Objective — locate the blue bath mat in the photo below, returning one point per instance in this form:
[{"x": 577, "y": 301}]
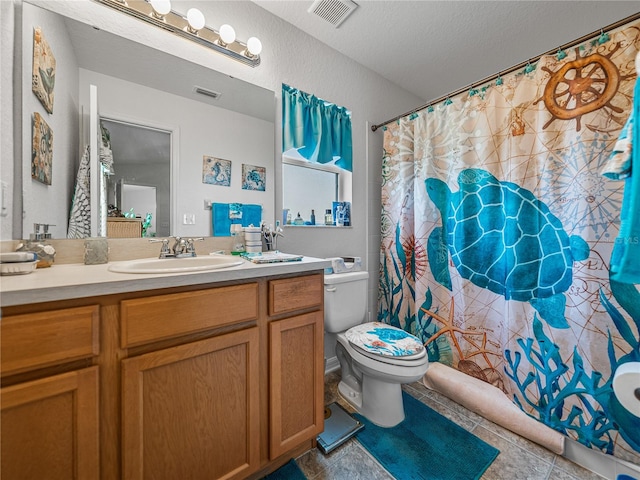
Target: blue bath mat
[
  {"x": 289, "y": 471},
  {"x": 427, "y": 446}
]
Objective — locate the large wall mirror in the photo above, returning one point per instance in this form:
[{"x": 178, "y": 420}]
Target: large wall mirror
[{"x": 141, "y": 92}]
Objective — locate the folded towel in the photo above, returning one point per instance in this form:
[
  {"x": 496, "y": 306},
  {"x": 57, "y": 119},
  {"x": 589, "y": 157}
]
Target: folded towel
[
  {"x": 221, "y": 220},
  {"x": 251, "y": 215},
  {"x": 271, "y": 257},
  {"x": 624, "y": 265},
  {"x": 221, "y": 217}
]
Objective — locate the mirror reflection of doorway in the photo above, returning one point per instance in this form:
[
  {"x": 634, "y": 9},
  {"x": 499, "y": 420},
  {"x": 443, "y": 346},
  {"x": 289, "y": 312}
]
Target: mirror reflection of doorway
[
  {"x": 142, "y": 167},
  {"x": 139, "y": 199}
]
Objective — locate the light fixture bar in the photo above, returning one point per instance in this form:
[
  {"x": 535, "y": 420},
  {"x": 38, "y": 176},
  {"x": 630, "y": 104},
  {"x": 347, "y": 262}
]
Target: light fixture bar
[{"x": 177, "y": 24}]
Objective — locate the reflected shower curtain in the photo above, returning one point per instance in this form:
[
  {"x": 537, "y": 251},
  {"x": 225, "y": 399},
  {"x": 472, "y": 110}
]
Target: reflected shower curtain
[{"x": 497, "y": 232}]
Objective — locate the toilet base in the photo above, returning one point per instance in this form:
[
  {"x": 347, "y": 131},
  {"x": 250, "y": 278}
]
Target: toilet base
[{"x": 383, "y": 403}]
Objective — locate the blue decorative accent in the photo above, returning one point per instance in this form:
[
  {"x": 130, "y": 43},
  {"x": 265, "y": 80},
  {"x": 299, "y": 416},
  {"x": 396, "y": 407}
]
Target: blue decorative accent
[
  {"x": 447, "y": 101},
  {"x": 221, "y": 219},
  {"x": 603, "y": 38},
  {"x": 421, "y": 446},
  {"x": 430, "y": 108},
  {"x": 529, "y": 68},
  {"x": 499, "y": 80},
  {"x": 383, "y": 339},
  {"x": 317, "y": 129},
  {"x": 550, "y": 385},
  {"x": 561, "y": 54},
  {"x": 502, "y": 238}
]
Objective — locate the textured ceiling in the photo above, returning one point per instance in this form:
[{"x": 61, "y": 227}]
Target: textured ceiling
[{"x": 431, "y": 48}]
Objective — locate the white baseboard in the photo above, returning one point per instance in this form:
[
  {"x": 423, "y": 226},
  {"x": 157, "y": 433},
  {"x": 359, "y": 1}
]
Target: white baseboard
[
  {"x": 331, "y": 365},
  {"x": 607, "y": 466}
]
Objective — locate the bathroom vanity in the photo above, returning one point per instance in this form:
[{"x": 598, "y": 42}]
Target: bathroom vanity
[{"x": 199, "y": 375}]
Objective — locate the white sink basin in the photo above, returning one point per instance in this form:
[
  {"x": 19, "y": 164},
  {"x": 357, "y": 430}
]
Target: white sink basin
[{"x": 176, "y": 265}]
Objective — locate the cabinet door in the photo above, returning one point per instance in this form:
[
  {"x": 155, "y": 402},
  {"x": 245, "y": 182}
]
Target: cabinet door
[
  {"x": 191, "y": 411},
  {"x": 50, "y": 428},
  {"x": 296, "y": 368}
]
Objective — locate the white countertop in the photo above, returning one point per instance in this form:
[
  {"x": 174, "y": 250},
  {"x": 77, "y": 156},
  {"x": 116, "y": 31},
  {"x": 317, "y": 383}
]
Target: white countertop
[{"x": 64, "y": 282}]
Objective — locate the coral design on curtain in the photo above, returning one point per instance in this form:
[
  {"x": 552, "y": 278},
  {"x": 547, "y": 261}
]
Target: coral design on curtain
[{"x": 497, "y": 233}]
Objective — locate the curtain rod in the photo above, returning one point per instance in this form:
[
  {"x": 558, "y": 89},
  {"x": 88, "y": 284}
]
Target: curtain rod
[{"x": 488, "y": 79}]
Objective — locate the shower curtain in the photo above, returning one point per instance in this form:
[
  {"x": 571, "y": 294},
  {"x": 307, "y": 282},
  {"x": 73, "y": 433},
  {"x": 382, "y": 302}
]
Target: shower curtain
[{"x": 497, "y": 233}]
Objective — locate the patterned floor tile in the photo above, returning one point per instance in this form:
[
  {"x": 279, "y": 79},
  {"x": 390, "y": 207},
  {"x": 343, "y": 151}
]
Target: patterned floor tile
[
  {"x": 540, "y": 451},
  {"x": 513, "y": 462}
]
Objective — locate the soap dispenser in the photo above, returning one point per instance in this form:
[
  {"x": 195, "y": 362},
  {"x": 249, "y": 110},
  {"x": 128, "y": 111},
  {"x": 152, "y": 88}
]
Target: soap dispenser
[{"x": 39, "y": 243}]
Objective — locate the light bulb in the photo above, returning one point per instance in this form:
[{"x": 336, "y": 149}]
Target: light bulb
[
  {"x": 227, "y": 34},
  {"x": 254, "y": 46},
  {"x": 161, "y": 7},
  {"x": 195, "y": 19}
]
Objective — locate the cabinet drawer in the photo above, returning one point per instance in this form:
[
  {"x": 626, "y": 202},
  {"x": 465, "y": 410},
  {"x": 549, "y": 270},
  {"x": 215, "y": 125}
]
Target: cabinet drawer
[
  {"x": 289, "y": 294},
  {"x": 146, "y": 320},
  {"x": 43, "y": 339}
]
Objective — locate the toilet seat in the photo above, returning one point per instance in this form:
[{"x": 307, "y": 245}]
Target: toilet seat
[{"x": 385, "y": 343}]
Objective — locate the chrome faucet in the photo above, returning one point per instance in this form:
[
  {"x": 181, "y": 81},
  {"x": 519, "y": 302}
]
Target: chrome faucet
[{"x": 181, "y": 247}]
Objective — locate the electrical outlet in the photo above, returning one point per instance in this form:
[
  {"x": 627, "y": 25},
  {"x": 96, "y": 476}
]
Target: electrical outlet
[{"x": 189, "y": 219}]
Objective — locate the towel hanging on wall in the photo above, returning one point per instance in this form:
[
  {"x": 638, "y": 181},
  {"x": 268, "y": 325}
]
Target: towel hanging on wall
[
  {"x": 80, "y": 215},
  {"x": 625, "y": 164}
]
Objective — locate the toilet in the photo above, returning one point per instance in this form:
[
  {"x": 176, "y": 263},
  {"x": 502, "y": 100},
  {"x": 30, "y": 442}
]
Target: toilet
[{"x": 375, "y": 358}]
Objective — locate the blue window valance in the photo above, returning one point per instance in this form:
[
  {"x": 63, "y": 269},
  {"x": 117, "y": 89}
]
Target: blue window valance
[{"x": 320, "y": 131}]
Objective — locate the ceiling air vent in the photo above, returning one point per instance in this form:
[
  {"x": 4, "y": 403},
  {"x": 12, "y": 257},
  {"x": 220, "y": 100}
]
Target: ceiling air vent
[
  {"x": 333, "y": 11},
  {"x": 208, "y": 93}
]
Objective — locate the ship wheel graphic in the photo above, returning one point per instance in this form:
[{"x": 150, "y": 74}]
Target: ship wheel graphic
[{"x": 580, "y": 87}]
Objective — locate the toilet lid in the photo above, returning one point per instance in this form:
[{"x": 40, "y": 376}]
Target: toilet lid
[{"x": 382, "y": 339}]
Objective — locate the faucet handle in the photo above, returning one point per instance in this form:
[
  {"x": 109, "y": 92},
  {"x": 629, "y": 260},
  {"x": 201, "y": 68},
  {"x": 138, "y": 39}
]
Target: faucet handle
[
  {"x": 191, "y": 247},
  {"x": 164, "y": 249}
]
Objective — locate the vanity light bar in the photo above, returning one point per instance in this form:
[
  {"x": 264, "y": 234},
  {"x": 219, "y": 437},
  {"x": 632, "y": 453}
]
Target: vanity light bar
[{"x": 178, "y": 24}]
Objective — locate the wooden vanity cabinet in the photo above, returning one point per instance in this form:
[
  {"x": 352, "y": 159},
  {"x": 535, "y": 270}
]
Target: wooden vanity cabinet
[
  {"x": 296, "y": 362},
  {"x": 50, "y": 408},
  {"x": 192, "y": 411},
  {"x": 196, "y": 382}
]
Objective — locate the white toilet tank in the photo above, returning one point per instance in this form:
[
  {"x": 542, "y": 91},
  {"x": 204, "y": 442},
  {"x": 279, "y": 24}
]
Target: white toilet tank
[{"x": 345, "y": 300}]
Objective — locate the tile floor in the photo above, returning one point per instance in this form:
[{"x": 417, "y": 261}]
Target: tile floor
[{"x": 519, "y": 459}]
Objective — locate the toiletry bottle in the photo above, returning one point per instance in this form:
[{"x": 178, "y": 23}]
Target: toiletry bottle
[
  {"x": 237, "y": 233},
  {"x": 313, "y": 217},
  {"x": 289, "y": 222},
  {"x": 328, "y": 218},
  {"x": 298, "y": 220},
  {"x": 39, "y": 243},
  {"x": 339, "y": 216}
]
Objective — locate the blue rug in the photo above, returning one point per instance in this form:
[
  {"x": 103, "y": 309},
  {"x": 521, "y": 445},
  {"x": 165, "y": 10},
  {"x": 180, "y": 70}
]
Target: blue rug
[
  {"x": 289, "y": 471},
  {"x": 427, "y": 446}
]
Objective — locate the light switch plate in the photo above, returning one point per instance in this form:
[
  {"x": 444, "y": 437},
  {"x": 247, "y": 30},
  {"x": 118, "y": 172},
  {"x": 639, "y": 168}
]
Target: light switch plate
[{"x": 189, "y": 219}]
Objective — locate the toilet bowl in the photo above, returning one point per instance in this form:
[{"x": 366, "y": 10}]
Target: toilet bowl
[{"x": 375, "y": 358}]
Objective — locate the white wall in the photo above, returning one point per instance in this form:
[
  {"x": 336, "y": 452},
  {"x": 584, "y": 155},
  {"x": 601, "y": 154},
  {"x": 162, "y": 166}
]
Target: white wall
[
  {"x": 289, "y": 56},
  {"x": 199, "y": 129},
  {"x": 7, "y": 180},
  {"x": 38, "y": 197}
]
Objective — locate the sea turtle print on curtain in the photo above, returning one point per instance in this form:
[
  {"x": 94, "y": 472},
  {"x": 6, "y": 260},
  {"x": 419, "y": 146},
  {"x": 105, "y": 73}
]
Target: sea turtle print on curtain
[
  {"x": 497, "y": 232},
  {"x": 502, "y": 238}
]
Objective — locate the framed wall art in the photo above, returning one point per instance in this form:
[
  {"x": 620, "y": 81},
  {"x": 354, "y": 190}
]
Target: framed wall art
[
  {"x": 43, "y": 77},
  {"x": 253, "y": 177},
  {"x": 216, "y": 171},
  {"x": 42, "y": 150}
]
